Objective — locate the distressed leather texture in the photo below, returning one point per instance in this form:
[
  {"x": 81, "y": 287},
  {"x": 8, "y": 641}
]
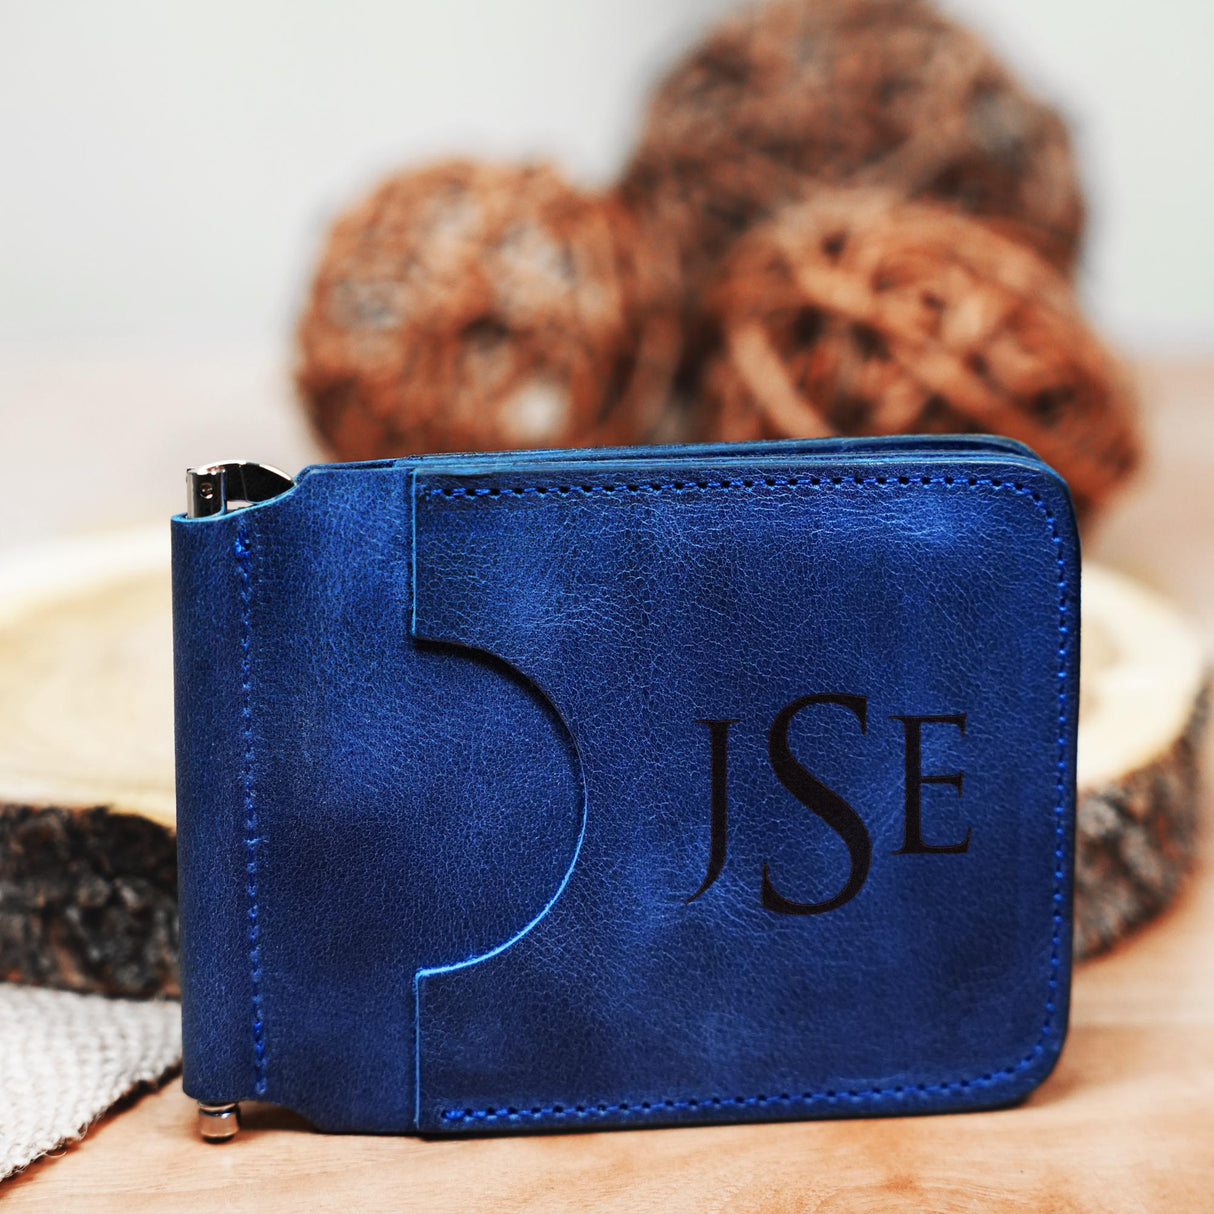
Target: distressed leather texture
[{"x": 446, "y": 786}]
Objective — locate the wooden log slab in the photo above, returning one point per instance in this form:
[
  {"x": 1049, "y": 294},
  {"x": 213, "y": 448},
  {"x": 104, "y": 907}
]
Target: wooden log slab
[
  {"x": 88, "y": 890},
  {"x": 88, "y": 866},
  {"x": 1143, "y": 709}
]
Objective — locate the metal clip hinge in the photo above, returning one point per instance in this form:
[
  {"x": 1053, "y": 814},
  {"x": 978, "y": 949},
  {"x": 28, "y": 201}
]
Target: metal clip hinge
[
  {"x": 218, "y": 1122},
  {"x": 231, "y": 484}
]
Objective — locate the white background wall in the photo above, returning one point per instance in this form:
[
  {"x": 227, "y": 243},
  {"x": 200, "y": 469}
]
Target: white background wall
[{"x": 166, "y": 169}]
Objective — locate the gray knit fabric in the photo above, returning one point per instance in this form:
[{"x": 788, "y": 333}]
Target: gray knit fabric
[{"x": 65, "y": 1059}]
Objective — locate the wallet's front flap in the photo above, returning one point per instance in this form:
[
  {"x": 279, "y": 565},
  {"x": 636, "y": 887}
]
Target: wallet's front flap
[
  {"x": 823, "y": 715},
  {"x": 353, "y": 806}
]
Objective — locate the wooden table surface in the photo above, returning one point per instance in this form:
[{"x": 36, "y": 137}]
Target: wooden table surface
[{"x": 1126, "y": 1123}]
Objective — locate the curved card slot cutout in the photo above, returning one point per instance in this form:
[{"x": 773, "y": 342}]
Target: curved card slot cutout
[{"x": 464, "y": 959}]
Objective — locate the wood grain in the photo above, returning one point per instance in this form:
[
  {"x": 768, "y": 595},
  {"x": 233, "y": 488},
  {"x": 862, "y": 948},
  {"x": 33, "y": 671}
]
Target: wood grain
[
  {"x": 1126, "y": 1123},
  {"x": 86, "y": 686}
]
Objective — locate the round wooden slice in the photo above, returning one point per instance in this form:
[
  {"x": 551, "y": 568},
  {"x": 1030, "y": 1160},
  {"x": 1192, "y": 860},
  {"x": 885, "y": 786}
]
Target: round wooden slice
[
  {"x": 88, "y": 888},
  {"x": 88, "y": 868},
  {"x": 1143, "y": 707}
]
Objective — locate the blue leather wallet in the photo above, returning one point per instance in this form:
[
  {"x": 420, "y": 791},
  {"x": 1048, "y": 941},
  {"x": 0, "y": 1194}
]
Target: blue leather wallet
[{"x": 627, "y": 787}]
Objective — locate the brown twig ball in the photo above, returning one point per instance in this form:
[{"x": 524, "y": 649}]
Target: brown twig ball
[
  {"x": 469, "y": 306},
  {"x": 847, "y": 92},
  {"x": 858, "y": 312}
]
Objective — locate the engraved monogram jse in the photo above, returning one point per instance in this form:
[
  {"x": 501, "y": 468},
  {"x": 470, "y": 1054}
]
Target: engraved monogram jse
[{"x": 841, "y": 817}]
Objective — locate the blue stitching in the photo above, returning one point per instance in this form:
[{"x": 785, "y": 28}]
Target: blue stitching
[
  {"x": 252, "y": 838},
  {"x": 643, "y": 1107}
]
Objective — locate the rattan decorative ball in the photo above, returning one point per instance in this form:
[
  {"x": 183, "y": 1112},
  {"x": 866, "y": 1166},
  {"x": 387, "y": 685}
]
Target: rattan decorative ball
[
  {"x": 847, "y": 92},
  {"x": 469, "y": 306},
  {"x": 858, "y": 312}
]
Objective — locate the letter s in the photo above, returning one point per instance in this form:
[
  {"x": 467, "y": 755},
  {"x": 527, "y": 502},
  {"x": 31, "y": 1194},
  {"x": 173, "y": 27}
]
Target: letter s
[{"x": 826, "y": 803}]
